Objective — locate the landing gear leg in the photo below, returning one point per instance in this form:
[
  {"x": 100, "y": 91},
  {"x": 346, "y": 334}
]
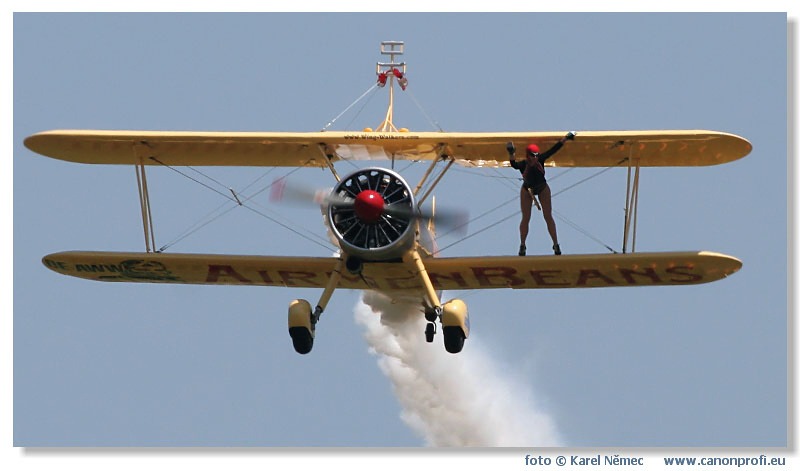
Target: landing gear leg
[
  {"x": 430, "y": 291},
  {"x": 433, "y": 313},
  {"x": 303, "y": 322}
]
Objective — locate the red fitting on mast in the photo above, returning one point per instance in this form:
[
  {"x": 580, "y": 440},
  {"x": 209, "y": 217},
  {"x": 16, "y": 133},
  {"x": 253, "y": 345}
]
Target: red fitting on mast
[{"x": 401, "y": 79}]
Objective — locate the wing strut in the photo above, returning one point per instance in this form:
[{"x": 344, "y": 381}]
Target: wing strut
[
  {"x": 328, "y": 160},
  {"x": 140, "y": 150},
  {"x": 428, "y": 172},
  {"x": 450, "y": 163},
  {"x": 631, "y": 204}
]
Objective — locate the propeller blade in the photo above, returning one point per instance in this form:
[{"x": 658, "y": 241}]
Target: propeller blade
[
  {"x": 449, "y": 219},
  {"x": 453, "y": 220},
  {"x": 282, "y": 191}
]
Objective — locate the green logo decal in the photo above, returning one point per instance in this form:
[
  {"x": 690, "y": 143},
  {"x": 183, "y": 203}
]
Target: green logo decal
[{"x": 142, "y": 270}]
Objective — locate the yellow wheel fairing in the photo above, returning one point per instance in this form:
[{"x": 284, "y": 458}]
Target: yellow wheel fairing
[
  {"x": 300, "y": 315},
  {"x": 454, "y": 314},
  {"x": 301, "y": 330}
]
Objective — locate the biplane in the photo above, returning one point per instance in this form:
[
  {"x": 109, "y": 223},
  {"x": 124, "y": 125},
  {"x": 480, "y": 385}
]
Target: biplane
[{"x": 374, "y": 214}]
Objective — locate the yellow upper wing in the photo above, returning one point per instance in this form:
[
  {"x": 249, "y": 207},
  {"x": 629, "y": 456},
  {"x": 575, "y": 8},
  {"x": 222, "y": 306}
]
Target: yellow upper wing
[
  {"x": 463, "y": 273},
  {"x": 590, "y": 148}
]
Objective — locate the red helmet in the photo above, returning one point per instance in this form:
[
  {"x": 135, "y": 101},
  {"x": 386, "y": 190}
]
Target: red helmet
[{"x": 533, "y": 149}]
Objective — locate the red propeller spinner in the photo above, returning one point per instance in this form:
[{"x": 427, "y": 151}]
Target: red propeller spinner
[{"x": 369, "y": 206}]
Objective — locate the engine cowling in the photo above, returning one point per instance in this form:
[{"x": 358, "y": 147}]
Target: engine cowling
[{"x": 373, "y": 214}]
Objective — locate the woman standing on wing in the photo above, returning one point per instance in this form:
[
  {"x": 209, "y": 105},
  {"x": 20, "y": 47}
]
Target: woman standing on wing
[{"x": 534, "y": 183}]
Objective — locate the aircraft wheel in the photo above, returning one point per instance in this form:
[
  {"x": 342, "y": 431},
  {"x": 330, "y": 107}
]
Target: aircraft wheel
[
  {"x": 302, "y": 340},
  {"x": 430, "y": 331},
  {"x": 453, "y": 338}
]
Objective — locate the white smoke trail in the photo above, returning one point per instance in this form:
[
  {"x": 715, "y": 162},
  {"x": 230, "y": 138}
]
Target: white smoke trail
[{"x": 451, "y": 400}]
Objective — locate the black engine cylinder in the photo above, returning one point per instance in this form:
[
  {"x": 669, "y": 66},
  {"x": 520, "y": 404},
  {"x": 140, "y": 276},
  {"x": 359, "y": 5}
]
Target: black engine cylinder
[{"x": 373, "y": 238}]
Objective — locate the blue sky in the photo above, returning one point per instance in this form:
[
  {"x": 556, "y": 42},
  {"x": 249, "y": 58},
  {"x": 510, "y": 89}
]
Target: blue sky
[{"x": 115, "y": 365}]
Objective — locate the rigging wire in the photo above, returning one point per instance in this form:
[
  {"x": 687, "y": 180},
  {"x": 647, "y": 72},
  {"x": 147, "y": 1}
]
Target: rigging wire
[
  {"x": 590, "y": 177},
  {"x": 212, "y": 216},
  {"x": 193, "y": 179},
  {"x": 582, "y": 231},
  {"x": 431, "y": 121},
  {"x": 204, "y": 175},
  {"x": 410, "y": 163},
  {"x": 506, "y": 182},
  {"x": 478, "y": 232},
  {"x": 485, "y": 213},
  {"x": 199, "y": 225},
  {"x": 324, "y": 246},
  {"x": 358, "y": 113},
  {"x": 371, "y": 88},
  {"x": 263, "y": 176},
  {"x": 561, "y": 174},
  {"x": 369, "y": 96}
]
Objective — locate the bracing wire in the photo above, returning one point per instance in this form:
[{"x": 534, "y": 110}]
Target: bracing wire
[
  {"x": 582, "y": 230},
  {"x": 285, "y": 226},
  {"x": 203, "y": 222},
  {"x": 220, "y": 211},
  {"x": 204, "y": 175},
  {"x": 263, "y": 176},
  {"x": 506, "y": 182},
  {"x": 431, "y": 121},
  {"x": 233, "y": 197},
  {"x": 479, "y": 231},
  {"x": 485, "y": 213},
  {"x": 372, "y": 87},
  {"x": 358, "y": 113},
  {"x": 193, "y": 179},
  {"x": 561, "y": 174},
  {"x": 590, "y": 177}
]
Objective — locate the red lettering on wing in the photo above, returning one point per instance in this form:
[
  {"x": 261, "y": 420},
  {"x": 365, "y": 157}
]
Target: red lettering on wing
[
  {"x": 215, "y": 272},
  {"x": 299, "y": 278},
  {"x": 354, "y": 281},
  {"x": 265, "y": 277},
  {"x": 628, "y": 274},
  {"x": 546, "y": 278},
  {"x": 438, "y": 278},
  {"x": 497, "y": 276},
  {"x": 688, "y": 277},
  {"x": 593, "y": 274},
  {"x": 408, "y": 282}
]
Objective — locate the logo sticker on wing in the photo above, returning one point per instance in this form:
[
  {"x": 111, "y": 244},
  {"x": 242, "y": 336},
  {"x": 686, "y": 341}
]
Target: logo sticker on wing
[{"x": 142, "y": 270}]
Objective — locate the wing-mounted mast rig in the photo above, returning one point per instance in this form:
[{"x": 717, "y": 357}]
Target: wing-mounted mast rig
[{"x": 389, "y": 72}]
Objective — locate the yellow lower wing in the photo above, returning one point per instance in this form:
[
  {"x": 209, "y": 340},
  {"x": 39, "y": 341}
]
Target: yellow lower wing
[
  {"x": 581, "y": 271},
  {"x": 300, "y": 272},
  {"x": 463, "y": 273}
]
